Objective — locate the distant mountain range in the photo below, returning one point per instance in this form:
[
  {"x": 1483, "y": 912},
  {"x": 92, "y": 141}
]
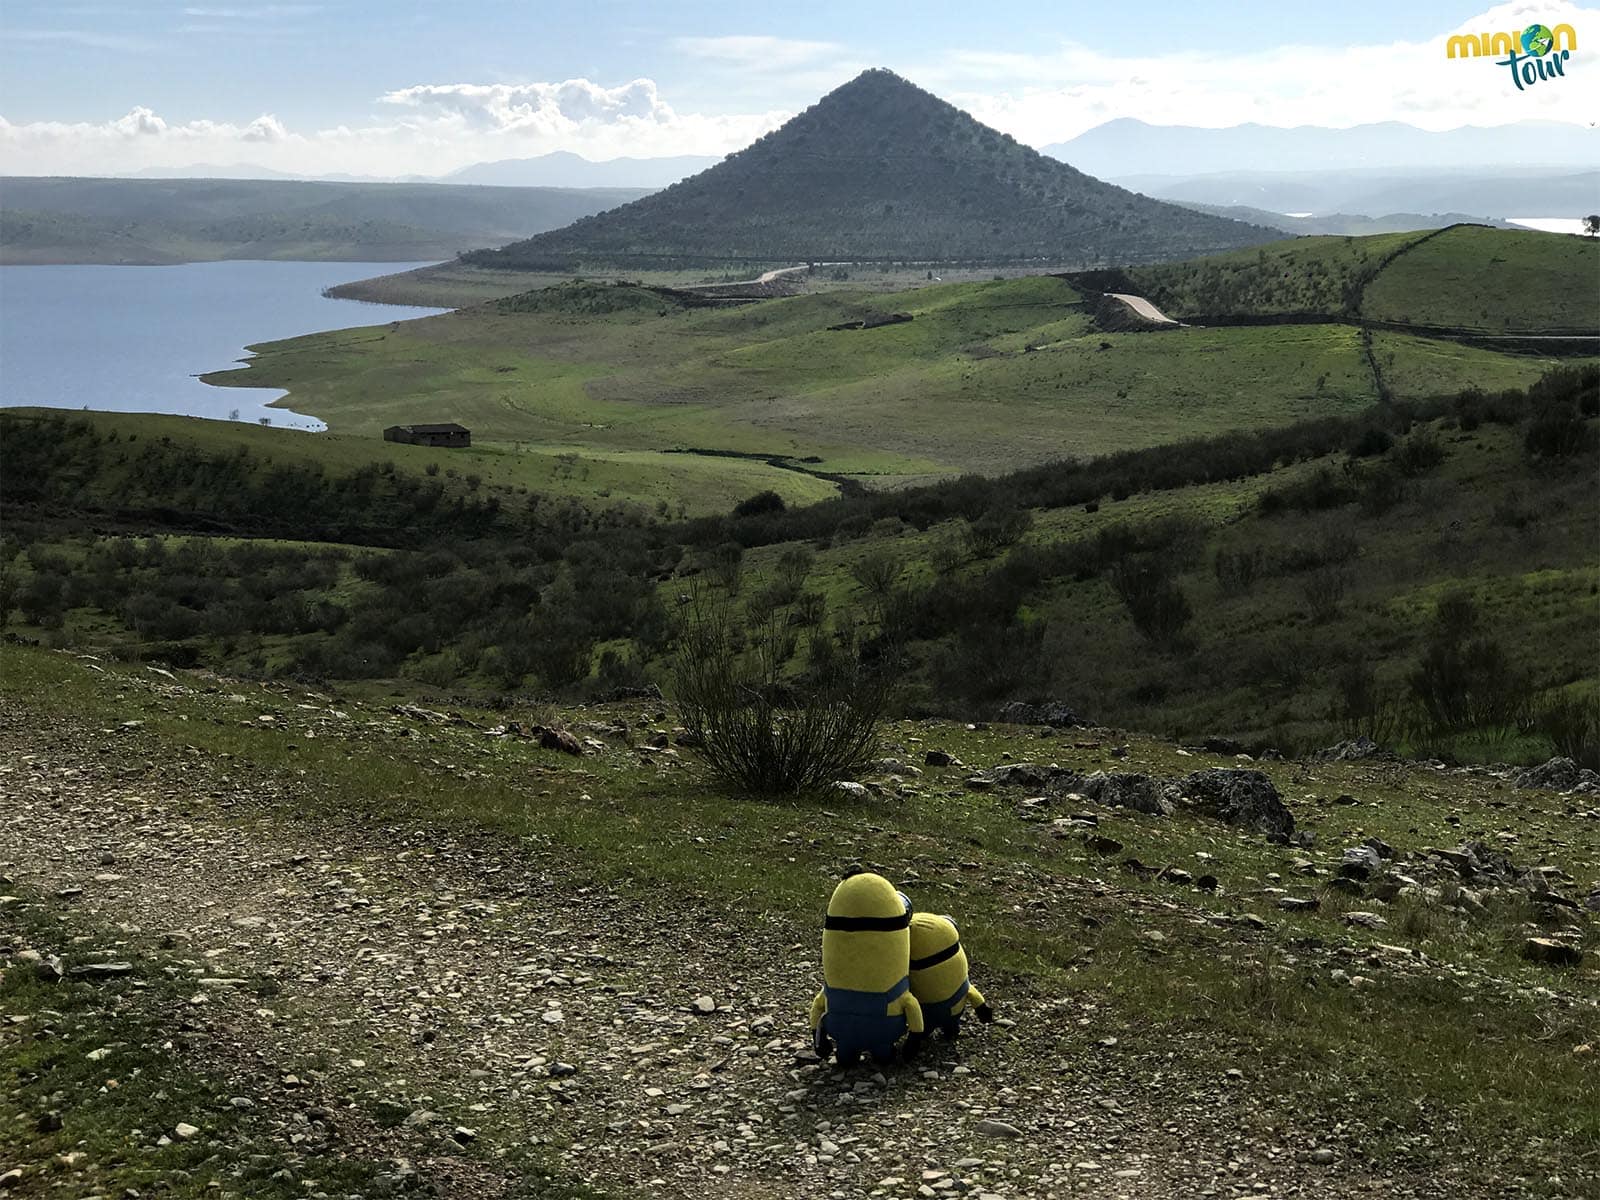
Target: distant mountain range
[
  {"x": 66, "y": 220},
  {"x": 563, "y": 169},
  {"x": 1127, "y": 147},
  {"x": 1504, "y": 193},
  {"x": 881, "y": 170}
]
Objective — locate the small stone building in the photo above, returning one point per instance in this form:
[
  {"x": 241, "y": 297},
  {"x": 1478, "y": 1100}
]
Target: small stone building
[{"x": 449, "y": 435}]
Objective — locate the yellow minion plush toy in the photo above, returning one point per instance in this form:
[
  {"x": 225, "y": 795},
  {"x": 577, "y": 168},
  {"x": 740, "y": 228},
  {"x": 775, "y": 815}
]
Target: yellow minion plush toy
[
  {"x": 866, "y": 1004},
  {"x": 939, "y": 975}
]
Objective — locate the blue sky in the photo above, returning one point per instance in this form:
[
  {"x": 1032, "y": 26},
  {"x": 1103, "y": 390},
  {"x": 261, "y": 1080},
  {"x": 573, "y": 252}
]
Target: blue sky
[{"x": 403, "y": 87}]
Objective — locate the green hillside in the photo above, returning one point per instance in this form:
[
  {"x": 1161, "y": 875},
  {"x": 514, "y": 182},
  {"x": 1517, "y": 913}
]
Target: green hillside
[
  {"x": 54, "y": 220},
  {"x": 1493, "y": 280},
  {"x": 984, "y": 377},
  {"x": 1468, "y": 277},
  {"x": 881, "y": 170}
]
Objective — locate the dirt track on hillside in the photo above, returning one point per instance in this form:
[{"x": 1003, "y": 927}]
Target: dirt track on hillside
[{"x": 493, "y": 986}]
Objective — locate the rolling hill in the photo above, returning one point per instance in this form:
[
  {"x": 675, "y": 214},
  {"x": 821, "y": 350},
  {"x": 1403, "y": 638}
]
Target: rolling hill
[
  {"x": 71, "y": 220},
  {"x": 881, "y": 170},
  {"x": 1466, "y": 277}
]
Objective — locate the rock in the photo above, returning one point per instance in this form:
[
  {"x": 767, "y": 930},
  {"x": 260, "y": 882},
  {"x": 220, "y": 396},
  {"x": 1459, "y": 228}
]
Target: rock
[
  {"x": 1141, "y": 793},
  {"x": 1178, "y": 876},
  {"x": 704, "y": 1005},
  {"x": 992, "y": 1128},
  {"x": 1049, "y": 712},
  {"x": 1299, "y": 903},
  {"x": 1322, "y": 1157},
  {"x": 49, "y": 1123},
  {"x": 1100, "y": 844},
  {"x": 1238, "y": 797},
  {"x": 1352, "y": 751},
  {"x": 184, "y": 1131},
  {"x": 556, "y": 739},
  {"x": 1346, "y": 800},
  {"x": 856, "y": 791},
  {"x": 1028, "y": 775},
  {"x": 1206, "y": 883},
  {"x": 95, "y": 972},
  {"x": 11, "y": 1178},
  {"x": 1558, "y": 774},
  {"x": 48, "y": 970},
  {"x": 1347, "y": 885},
  {"x": 1552, "y": 953},
  {"x": 1367, "y": 920},
  {"x": 1360, "y": 862},
  {"x": 1222, "y": 745},
  {"x": 463, "y": 1135},
  {"x": 940, "y": 758}
]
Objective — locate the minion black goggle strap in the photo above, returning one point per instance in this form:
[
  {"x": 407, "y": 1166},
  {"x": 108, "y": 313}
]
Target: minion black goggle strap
[
  {"x": 937, "y": 957},
  {"x": 867, "y": 924}
]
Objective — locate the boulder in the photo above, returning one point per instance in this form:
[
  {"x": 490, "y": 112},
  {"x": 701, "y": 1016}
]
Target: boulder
[
  {"x": 1354, "y": 750},
  {"x": 1025, "y": 775},
  {"x": 1130, "y": 790},
  {"x": 1047, "y": 712},
  {"x": 1552, "y": 953},
  {"x": 1238, "y": 797},
  {"x": 1558, "y": 774}
]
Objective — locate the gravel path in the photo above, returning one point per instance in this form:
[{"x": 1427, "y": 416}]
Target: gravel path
[
  {"x": 474, "y": 983},
  {"x": 1143, "y": 308}
]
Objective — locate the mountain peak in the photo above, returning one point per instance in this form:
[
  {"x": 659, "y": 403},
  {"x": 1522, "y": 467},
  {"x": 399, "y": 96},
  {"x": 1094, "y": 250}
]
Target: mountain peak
[{"x": 881, "y": 170}]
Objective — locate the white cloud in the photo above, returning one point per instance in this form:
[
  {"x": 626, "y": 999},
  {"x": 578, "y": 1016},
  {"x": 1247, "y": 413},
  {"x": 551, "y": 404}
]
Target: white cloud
[
  {"x": 1042, "y": 96},
  {"x": 431, "y": 129},
  {"x": 1053, "y": 95}
]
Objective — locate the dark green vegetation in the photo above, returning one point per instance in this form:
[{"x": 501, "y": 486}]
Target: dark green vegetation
[
  {"x": 881, "y": 170},
  {"x": 1466, "y": 277},
  {"x": 1283, "y": 587},
  {"x": 1421, "y": 1050},
  {"x": 67, "y": 220}
]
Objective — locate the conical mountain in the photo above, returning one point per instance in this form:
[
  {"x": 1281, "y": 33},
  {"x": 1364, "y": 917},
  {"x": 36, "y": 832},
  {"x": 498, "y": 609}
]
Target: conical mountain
[{"x": 881, "y": 170}]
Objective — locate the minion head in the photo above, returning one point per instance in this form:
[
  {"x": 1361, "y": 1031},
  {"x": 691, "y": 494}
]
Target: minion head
[
  {"x": 932, "y": 935},
  {"x": 865, "y": 941}
]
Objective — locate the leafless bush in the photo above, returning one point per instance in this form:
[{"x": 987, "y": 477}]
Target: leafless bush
[{"x": 761, "y": 728}]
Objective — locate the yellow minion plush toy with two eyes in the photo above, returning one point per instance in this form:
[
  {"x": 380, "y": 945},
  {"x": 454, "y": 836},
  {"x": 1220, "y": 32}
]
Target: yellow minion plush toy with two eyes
[
  {"x": 939, "y": 977},
  {"x": 866, "y": 1005}
]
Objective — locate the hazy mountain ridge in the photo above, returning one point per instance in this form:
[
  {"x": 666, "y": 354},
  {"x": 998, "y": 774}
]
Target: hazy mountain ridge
[
  {"x": 48, "y": 220},
  {"x": 1127, "y": 146}
]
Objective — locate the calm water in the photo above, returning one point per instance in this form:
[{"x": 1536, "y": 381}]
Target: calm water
[{"x": 132, "y": 339}]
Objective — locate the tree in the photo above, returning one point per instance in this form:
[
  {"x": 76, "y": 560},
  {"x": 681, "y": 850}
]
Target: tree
[{"x": 1591, "y": 224}]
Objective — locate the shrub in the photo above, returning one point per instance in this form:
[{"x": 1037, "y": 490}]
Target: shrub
[
  {"x": 1573, "y": 727},
  {"x": 997, "y": 528},
  {"x": 1147, "y": 587},
  {"x": 760, "y": 731},
  {"x": 1237, "y": 569},
  {"x": 759, "y": 504},
  {"x": 1462, "y": 681}
]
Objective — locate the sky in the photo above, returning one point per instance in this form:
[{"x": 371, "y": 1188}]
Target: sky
[{"x": 404, "y": 88}]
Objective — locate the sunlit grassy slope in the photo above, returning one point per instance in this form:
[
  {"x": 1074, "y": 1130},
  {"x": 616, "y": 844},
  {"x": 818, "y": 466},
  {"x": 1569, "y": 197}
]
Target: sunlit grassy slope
[{"x": 986, "y": 376}]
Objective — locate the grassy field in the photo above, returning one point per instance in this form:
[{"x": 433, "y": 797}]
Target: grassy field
[
  {"x": 987, "y": 376},
  {"x": 1420, "y": 1049},
  {"x": 1466, "y": 276},
  {"x": 1494, "y": 280},
  {"x": 672, "y": 484}
]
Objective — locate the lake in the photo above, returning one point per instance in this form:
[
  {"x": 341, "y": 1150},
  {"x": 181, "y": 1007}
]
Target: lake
[{"x": 132, "y": 339}]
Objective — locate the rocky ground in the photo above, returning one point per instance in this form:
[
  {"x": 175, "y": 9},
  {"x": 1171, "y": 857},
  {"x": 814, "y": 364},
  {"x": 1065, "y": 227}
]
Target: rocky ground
[{"x": 478, "y": 1014}]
